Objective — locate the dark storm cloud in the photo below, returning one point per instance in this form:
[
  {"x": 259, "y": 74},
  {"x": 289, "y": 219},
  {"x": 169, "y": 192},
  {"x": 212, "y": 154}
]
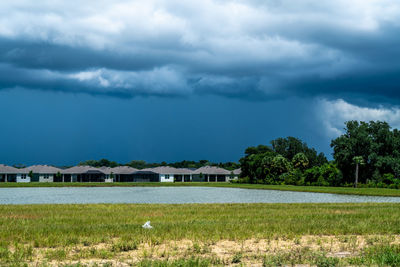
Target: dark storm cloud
[
  {"x": 247, "y": 49},
  {"x": 54, "y": 81},
  {"x": 43, "y": 55}
]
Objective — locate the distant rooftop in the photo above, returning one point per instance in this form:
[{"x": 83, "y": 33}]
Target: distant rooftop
[
  {"x": 211, "y": 170},
  {"x": 170, "y": 170},
  {"x": 82, "y": 169},
  {"x": 41, "y": 169},
  {"x": 45, "y": 169},
  {"x": 123, "y": 170},
  {"x": 8, "y": 169}
]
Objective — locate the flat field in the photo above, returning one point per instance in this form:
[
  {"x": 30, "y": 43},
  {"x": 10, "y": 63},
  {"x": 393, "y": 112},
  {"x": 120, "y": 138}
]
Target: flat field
[
  {"x": 200, "y": 235},
  {"x": 317, "y": 189}
]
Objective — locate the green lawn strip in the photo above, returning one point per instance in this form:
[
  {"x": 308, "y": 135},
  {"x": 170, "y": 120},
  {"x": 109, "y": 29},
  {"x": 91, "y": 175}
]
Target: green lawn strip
[
  {"x": 68, "y": 225},
  {"x": 317, "y": 189}
]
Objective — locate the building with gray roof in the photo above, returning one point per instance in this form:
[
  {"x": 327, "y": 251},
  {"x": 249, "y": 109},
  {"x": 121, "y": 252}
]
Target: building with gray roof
[
  {"x": 8, "y": 173},
  {"x": 84, "y": 174},
  {"x": 210, "y": 174},
  {"x": 123, "y": 170},
  {"x": 146, "y": 175},
  {"x": 122, "y": 173},
  {"x": 42, "y": 173},
  {"x": 45, "y": 173},
  {"x": 171, "y": 174}
]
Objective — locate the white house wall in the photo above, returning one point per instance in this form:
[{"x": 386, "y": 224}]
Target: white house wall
[
  {"x": 164, "y": 179},
  {"x": 42, "y": 178},
  {"x": 20, "y": 180}
]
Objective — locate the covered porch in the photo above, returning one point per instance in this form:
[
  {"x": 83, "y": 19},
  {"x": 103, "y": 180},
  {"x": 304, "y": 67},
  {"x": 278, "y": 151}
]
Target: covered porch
[
  {"x": 8, "y": 178},
  {"x": 145, "y": 176},
  {"x": 91, "y": 176},
  {"x": 182, "y": 178}
]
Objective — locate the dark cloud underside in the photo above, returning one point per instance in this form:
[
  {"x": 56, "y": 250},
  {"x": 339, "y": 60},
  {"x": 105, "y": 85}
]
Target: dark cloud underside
[{"x": 247, "y": 49}]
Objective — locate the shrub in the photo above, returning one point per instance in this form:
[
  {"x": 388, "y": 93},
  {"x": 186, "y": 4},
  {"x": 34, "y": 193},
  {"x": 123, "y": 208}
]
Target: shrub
[
  {"x": 244, "y": 180},
  {"x": 384, "y": 255},
  {"x": 323, "y": 261},
  {"x": 294, "y": 177},
  {"x": 332, "y": 175},
  {"x": 237, "y": 258},
  {"x": 124, "y": 246},
  {"x": 388, "y": 178},
  {"x": 312, "y": 175},
  {"x": 286, "y": 178},
  {"x": 393, "y": 186},
  {"x": 381, "y": 185},
  {"x": 325, "y": 175}
]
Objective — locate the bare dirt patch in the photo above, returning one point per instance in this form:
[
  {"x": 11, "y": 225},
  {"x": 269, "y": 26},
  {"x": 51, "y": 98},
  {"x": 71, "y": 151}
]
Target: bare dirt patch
[{"x": 249, "y": 252}]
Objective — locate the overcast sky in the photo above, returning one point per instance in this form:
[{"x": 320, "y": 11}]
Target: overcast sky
[{"x": 174, "y": 80}]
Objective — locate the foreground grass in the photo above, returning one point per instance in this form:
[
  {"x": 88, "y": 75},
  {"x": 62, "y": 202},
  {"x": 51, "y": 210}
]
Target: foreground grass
[
  {"x": 317, "y": 189},
  {"x": 195, "y": 234},
  {"x": 59, "y": 225}
]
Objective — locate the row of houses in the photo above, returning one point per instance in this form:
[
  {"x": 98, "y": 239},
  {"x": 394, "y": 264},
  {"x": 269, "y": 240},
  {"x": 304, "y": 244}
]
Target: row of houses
[{"x": 45, "y": 173}]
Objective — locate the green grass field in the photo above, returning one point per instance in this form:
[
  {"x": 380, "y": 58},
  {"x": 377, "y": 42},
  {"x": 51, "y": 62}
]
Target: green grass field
[
  {"x": 317, "y": 189},
  {"x": 200, "y": 234}
]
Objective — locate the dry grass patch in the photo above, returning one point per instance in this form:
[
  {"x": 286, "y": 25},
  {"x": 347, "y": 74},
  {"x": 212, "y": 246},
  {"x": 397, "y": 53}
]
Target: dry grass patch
[{"x": 251, "y": 252}]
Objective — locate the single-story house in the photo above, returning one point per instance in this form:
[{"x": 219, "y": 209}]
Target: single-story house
[
  {"x": 41, "y": 173},
  {"x": 122, "y": 173},
  {"x": 171, "y": 174},
  {"x": 84, "y": 174},
  {"x": 146, "y": 175},
  {"x": 8, "y": 173},
  {"x": 108, "y": 176},
  {"x": 210, "y": 174}
]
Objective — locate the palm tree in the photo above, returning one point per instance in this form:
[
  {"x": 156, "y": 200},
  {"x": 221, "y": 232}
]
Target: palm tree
[{"x": 358, "y": 160}]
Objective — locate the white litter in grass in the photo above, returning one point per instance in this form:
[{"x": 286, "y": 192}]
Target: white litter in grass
[{"x": 147, "y": 225}]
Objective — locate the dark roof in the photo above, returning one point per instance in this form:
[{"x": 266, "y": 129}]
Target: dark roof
[
  {"x": 82, "y": 169},
  {"x": 123, "y": 170}
]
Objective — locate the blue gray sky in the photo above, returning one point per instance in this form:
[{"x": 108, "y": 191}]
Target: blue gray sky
[{"x": 174, "y": 80}]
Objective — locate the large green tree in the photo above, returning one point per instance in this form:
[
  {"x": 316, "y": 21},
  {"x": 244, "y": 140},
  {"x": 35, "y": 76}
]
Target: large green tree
[
  {"x": 253, "y": 163},
  {"x": 280, "y": 165},
  {"x": 375, "y": 143},
  {"x": 290, "y": 146},
  {"x": 268, "y": 163}
]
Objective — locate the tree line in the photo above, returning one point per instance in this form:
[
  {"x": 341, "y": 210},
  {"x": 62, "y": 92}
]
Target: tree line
[{"x": 368, "y": 153}]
